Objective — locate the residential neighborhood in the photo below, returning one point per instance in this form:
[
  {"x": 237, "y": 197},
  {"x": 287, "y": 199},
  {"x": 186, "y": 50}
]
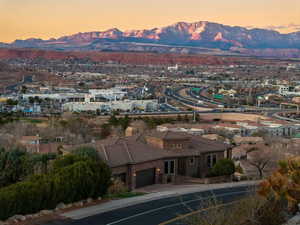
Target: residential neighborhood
[{"x": 149, "y": 113}]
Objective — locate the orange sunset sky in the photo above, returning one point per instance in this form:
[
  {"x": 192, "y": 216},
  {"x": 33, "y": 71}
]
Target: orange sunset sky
[{"x": 21, "y": 19}]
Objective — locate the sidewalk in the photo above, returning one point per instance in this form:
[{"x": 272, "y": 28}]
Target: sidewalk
[
  {"x": 294, "y": 221},
  {"x": 156, "y": 193}
]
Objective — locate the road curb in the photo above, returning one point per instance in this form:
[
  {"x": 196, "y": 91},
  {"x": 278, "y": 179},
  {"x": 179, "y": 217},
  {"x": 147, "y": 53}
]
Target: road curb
[{"x": 122, "y": 203}]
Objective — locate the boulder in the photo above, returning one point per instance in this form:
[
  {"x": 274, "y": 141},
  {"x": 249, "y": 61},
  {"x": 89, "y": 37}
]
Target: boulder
[
  {"x": 17, "y": 218},
  {"x": 89, "y": 200},
  {"x": 78, "y": 204},
  {"x": 44, "y": 212},
  {"x": 69, "y": 205},
  {"x": 60, "y": 206}
]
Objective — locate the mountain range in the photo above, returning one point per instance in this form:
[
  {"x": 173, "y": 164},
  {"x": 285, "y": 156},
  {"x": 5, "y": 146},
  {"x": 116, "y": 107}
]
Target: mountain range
[{"x": 181, "y": 37}]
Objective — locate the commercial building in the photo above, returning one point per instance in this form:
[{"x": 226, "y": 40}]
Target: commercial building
[
  {"x": 288, "y": 91},
  {"x": 93, "y": 95},
  {"x": 125, "y": 106}
]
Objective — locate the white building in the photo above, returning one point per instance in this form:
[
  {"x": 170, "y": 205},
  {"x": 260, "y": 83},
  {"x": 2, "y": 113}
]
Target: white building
[
  {"x": 109, "y": 94},
  {"x": 287, "y": 91},
  {"x": 92, "y": 96},
  {"x": 173, "y": 68},
  {"x": 126, "y": 106}
]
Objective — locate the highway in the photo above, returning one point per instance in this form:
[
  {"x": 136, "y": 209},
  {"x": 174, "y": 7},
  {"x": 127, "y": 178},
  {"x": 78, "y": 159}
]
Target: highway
[
  {"x": 13, "y": 88},
  {"x": 160, "y": 211},
  {"x": 174, "y": 94}
]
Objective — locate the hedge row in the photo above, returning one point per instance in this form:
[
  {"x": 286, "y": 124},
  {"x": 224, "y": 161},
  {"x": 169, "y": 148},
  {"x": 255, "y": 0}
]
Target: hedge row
[{"x": 80, "y": 180}]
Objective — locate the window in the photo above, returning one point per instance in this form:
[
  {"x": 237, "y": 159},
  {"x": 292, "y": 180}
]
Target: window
[
  {"x": 176, "y": 146},
  {"x": 170, "y": 167},
  {"x": 192, "y": 161},
  {"x": 211, "y": 160}
]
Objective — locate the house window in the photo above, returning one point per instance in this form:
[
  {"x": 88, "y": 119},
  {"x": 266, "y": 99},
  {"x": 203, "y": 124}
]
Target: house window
[
  {"x": 170, "y": 167},
  {"x": 211, "y": 160},
  {"x": 192, "y": 161},
  {"x": 176, "y": 146}
]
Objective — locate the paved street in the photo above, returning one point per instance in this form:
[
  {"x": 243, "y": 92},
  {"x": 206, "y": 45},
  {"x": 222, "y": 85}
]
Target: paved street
[{"x": 157, "y": 211}]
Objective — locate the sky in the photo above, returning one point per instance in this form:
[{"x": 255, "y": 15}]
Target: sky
[{"x": 21, "y": 19}]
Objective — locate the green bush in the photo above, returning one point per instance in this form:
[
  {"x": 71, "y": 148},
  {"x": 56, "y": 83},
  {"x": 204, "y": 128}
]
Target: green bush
[
  {"x": 86, "y": 152},
  {"x": 74, "y": 178},
  {"x": 223, "y": 167},
  {"x": 17, "y": 164}
]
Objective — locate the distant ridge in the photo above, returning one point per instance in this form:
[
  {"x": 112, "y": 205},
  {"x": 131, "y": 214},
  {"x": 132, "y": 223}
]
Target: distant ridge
[{"x": 201, "y": 34}]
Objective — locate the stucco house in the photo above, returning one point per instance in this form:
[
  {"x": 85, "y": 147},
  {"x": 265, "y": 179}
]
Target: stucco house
[{"x": 160, "y": 157}]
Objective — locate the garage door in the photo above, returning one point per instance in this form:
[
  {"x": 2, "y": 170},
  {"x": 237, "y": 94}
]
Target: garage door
[{"x": 145, "y": 177}]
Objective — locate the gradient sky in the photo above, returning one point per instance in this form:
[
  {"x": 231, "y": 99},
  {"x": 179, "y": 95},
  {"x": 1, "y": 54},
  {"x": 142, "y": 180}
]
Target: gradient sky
[{"x": 20, "y": 19}]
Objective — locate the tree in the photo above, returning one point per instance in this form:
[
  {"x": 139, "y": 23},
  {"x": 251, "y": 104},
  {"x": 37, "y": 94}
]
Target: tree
[
  {"x": 87, "y": 152},
  {"x": 124, "y": 122},
  {"x": 11, "y": 166},
  {"x": 105, "y": 130},
  {"x": 284, "y": 183},
  {"x": 31, "y": 100},
  {"x": 78, "y": 179},
  {"x": 11, "y": 102},
  {"x": 23, "y": 89},
  {"x": 17, "y": 164},
  {"x": 261, "y": 157},
  {"x": 113, "y": 120}
]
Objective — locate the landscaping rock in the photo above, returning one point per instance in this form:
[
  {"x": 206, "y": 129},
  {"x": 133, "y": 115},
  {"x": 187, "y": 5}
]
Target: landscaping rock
[
  {"x": 78, "y": 204},
  {"x": 89, "y": 200},
  {"x": 44, "y": 212},
  {"x": 69, "y": 205},
  {"x": 17, "y": 218},
  {"x": 60, "y": 206},
  {"x": 99, "y": 198}
]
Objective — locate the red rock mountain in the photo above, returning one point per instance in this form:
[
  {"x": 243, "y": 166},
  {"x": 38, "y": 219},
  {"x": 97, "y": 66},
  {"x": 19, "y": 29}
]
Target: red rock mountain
[{"x": 190, "y": 35}]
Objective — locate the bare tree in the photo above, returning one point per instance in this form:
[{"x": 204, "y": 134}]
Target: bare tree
[{"x": 262, "y": 158}]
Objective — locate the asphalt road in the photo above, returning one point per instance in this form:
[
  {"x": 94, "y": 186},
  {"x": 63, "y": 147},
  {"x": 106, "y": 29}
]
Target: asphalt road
[{"x": 158, "y": 211}]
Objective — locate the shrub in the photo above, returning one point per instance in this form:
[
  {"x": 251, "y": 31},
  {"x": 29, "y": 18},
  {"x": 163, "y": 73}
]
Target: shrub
[
  {"x": 117, "y": 187},
  {"x": 223, "y": 167},
  {"x": 239, "y": 169},
  {"x": 87, "y": 152},
  {"x": 74, "y": 178}
]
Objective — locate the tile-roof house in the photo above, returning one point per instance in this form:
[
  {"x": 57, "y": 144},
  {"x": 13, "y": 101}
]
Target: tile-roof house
[
  {"x": 160, "y": 157},
  {"x": 31, "y": 143}
]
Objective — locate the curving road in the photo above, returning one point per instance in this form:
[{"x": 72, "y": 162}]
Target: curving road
[{"x": 159, "y": 211}]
